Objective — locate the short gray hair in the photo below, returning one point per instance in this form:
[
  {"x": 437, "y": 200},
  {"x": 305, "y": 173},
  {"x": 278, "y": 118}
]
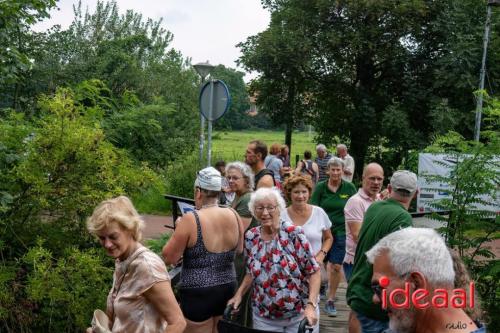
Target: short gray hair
[
  {"x": 264, "y": 193},
  {"x": 341, "y": 146},
  {"x": 245, "y": 171},
  {"x": 335, "y": 161},
  {"x": 321, "y": 147},
  {"x": 417, "y": 250}
]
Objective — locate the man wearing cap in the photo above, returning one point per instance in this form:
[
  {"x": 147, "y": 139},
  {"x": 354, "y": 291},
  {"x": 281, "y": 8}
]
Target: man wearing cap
[{"x": 381, "y": 219}]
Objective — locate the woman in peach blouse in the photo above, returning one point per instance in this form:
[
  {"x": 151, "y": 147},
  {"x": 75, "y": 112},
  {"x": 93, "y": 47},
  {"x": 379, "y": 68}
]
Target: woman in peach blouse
[{"x": 141, "y": 299}]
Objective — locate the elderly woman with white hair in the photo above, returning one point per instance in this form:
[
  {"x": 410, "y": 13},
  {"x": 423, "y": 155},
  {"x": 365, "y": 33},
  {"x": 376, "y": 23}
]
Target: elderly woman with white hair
[
  {"x": 241, "y": 182},
  {"x": 332, "y": 196},
  {"x": 207, "y": 239},
  {"x": 141, "y": 299},
  {"x": 282, "y": 271}
]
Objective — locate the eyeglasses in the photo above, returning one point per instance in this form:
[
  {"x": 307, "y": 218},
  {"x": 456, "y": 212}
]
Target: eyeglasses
[
  {"x": 377, "y": 289},
  {"x": 233, "y": 178},
  {"x": 270, "y": 209}
]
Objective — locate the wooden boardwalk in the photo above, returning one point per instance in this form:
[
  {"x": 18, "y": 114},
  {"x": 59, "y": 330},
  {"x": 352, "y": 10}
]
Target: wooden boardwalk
[{"x": 336, "y": 324}]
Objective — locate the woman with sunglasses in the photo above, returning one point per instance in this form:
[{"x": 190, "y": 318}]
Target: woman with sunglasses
[
  {"x": 282, "y": 273},
  {"x": 207, "y": 239}
]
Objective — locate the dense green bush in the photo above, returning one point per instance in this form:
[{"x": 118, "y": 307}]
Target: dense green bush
[
  {"x": 157, "y": 134},
  {"x": 156, "y": 245},
  {"x": 181, "y": 175},
  {"x": 54, "y": 170},
  {"x": 67, "y": 290}
]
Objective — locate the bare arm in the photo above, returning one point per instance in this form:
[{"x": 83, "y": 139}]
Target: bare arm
[
  {"x": 314, "y": 284},
  {"x": 245, "y": 285},
  {"x": 354, "y": 227},
  {"x": 316, "y": 169},
  {"x": 266, "y": 181},
  {"x": 173, "y": 250},
  {"x": 325, "y": 246},
  {"x": 163, "y": 299},
  {"x": 298, "y": 169}
]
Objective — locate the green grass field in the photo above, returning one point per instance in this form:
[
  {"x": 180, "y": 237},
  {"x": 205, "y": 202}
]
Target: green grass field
[{"x": 231, "y": 145}]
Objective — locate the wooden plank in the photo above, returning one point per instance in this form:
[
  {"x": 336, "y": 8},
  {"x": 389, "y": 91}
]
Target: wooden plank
[{"x": 337, "y": 324}]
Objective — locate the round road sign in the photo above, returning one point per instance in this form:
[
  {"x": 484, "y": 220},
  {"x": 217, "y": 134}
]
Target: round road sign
[{"x": 214, "y": 99}]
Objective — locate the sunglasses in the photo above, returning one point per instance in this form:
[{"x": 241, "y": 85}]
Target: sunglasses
[{"x": 377, "y": 289}]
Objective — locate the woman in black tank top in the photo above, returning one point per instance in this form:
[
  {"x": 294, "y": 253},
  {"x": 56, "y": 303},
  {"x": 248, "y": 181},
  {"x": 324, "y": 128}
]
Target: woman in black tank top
[{"x": 208, "y": 278}]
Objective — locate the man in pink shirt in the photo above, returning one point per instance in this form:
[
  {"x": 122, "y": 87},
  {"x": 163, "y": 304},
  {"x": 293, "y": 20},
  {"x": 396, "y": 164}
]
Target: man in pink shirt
[{"x": 354, "y": 212}]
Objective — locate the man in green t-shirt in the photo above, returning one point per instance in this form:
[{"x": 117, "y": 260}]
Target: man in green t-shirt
[{"x": 381, "y": 219}]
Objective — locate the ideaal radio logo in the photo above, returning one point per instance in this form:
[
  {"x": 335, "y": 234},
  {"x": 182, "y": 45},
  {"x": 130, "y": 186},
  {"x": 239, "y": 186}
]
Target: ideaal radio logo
[{"x": 441, "y": 298}]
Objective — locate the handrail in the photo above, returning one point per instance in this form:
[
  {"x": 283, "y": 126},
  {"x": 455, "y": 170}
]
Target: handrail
[
  {"x": 175, "y": 208},
  {"x": 441, "y": 212}
]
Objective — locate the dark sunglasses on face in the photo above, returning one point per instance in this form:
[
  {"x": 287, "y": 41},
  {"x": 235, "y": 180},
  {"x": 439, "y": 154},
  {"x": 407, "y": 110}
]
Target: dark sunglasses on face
[{"x": 377, "y": 289}]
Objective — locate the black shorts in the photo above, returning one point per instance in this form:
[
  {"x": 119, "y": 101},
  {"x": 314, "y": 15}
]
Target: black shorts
[{"x": 200, "y": 304}]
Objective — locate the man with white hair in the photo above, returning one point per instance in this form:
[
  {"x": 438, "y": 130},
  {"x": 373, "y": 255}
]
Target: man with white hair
[
  {"x": 348, "y": 162},
  {"x": 322, "y": 160},
  {"x": 381, "y": 218},
  {"x": 417, "y": 260}
]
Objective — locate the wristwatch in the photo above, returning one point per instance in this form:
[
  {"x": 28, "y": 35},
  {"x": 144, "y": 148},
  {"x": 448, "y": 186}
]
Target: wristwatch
[
  {"x": 323, "y": 251},
  {"x": 314, "y": 305}
]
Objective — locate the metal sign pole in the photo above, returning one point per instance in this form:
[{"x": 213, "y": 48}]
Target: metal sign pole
[
  {"x": 210, "y": 112},
  {"x": 479, "y": 102},
  {"x": 202, "y": 137}
]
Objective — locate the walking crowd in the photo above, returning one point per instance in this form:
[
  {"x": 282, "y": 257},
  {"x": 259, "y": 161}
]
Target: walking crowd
[{"x": 259, "y": 239}]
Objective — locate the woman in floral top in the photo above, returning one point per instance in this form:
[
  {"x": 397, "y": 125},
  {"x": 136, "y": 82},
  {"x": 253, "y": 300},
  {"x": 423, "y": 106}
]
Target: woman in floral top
[{"x": 281, "y": 268}]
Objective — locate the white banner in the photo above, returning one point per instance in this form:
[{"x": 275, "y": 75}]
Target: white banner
[{"x": 432, "y": 191}]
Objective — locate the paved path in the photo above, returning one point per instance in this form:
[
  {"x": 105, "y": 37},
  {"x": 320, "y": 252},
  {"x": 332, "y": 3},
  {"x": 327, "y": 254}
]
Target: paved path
[{"x": 155, "y": 226}]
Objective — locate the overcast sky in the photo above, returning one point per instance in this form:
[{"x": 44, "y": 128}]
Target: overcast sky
[{"x": 203, "y": 29}]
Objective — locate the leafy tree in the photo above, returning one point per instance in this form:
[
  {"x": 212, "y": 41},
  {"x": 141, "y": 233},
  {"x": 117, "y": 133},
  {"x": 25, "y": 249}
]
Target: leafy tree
[
  {"x": 16, "y": 16},
  {"x": 362, "y": 66},
  {"x": 127, "y": 52},
  {"x": 282, "y": 54}
]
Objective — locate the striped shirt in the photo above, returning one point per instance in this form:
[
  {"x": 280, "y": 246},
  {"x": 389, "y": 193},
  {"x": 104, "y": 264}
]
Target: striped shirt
[{"x": 322, "y": 166}]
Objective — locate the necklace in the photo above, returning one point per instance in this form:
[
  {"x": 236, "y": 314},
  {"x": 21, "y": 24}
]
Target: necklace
[{"x": 209, "y": 205}]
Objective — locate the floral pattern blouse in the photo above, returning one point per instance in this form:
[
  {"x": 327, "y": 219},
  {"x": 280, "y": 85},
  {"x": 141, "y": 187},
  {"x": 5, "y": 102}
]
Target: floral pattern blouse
[
  {"x": 132, "y": 278},
  {"x": 280, "y": 269}
]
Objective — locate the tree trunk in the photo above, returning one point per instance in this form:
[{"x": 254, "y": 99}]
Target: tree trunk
[
  {"x": 288, "y": 136},
  {"x": 290, "y": 117},
  {"x": 358, "y": 150}
]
